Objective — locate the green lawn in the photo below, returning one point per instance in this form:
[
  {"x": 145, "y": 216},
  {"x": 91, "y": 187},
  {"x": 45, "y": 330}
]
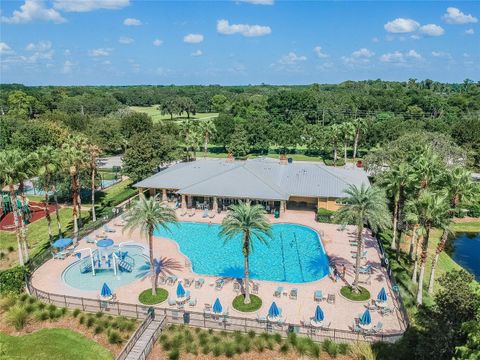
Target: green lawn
[
  {"x": 473, "y": 226},
  {"x": 157, "y": 116},
  {"x": 51, "y": 344}
]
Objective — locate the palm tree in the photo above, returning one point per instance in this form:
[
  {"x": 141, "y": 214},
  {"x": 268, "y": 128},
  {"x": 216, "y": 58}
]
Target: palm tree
[
  {"x": 208, "y": 129},
  {"x": 194, "y": 141},
  {"x": 93, "y": 152},
  {"x": 412, "y": 216},
  {"x": 348, "y": 133},
  {"x": 364, "y": 205},
  {"x": 186, "y": 128},
  {"x": 46, "y": 170},
  {"x": 145, "y": 215},
  {"x": 250, "y": 222},
  {"x": 396, "y": 181},
  {"x": 10, "y": 170},
  {"x": 334, "y": 135},
  {"x": 434, "y": 211},
  {"x": 360, "y": 126},
  {"x": 162, "y": 266}
]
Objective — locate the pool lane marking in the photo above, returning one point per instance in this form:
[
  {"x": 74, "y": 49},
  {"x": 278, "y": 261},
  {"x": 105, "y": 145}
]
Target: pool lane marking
[
  {"x": 283, "y": 258},
  {"x": 298, "y": 255}
]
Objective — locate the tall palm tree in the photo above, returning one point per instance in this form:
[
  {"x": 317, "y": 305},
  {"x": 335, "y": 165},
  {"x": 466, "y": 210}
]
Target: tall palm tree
[
  {"x": 10, "y": 170},
  {"x": 93, "y": 152},
  {"x": 396, "y": 181},
  {"x": 364, "y": 205},
  {"x": 186, "y": 129},
  {"x": 73, "y": 160},
  {"x": 194, "y": 141},
  {"x": 46, "y": 170},
  {"x": 334, "y": 135},
  {"x": 81, "y": 143},
  {"x": 434, "y": 211},
  {"x": 208, "y": 129},
  {"x": 348, "y": 134},
  {"x": 250, "y": 222},
  {"x": 360, "y": 126},
  {"x": 145, "y": 215}
]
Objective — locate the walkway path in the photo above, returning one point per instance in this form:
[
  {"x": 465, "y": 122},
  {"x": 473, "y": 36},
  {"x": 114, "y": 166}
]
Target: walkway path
[{"x": 145, "y": 342}]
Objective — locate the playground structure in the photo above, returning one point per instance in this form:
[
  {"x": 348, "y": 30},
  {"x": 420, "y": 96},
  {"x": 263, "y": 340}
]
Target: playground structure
[
  {"x": 106, "y": 257},
  {"x": 30, "y": 211}
]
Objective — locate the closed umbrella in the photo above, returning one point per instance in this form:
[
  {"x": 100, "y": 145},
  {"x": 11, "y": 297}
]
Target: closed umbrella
[
  {"x": 274, "y": 311},
  {"x": 366, "y": 319},
  {"x": 318, "y": 314},
  {"x": 106, "y": 292},
  {"x": 382, "y": 295},
  {"x": 217, "y": 307},
  {"x": 180, "y": 290}
]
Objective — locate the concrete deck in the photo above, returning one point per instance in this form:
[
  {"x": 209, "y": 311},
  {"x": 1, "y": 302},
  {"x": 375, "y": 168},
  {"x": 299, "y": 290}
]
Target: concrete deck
[{"x": 335, "y": 241}]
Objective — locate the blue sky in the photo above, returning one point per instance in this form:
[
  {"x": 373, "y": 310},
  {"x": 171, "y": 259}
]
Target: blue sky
[{"x": 122, "y": 42}]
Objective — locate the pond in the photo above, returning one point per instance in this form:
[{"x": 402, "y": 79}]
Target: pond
[{"x": 465, "y": 250}]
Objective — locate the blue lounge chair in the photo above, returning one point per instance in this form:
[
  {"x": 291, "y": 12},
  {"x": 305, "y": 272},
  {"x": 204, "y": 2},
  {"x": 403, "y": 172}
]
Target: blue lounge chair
[
  {"x": 356, "y": 328},
  {"x": 219, "y": 284},
  {"x": 318, "y": 295},
  {"x": 278, "y": 291},
  {"x": 365, "y": 269},
  {"x": 362, "y": 255}
]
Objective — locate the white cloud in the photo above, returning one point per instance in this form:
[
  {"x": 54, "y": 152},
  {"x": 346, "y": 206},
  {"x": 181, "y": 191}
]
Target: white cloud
[
  {"x": 89, "y": 5},
  {"x": 401, "y": 25},
  {"x": 131, "y": 22},
  {"x": 441, "y": 54},
  {"x": 67, "y": 52},
  {"x": 157, "y": 42},
  {"x": 470, "y": 31},
  {"x": 399, "y": 57},
  {"x": 359, "y": 57},
  {"x": 41, "y": 46},
  {"x": 258, "y": 2},
  {"x": 225, "y": 28},
  {"x": 375, "y": 39},
  {"x": 100, "y": 52},
  {"x": 363, "y": 53},
  {"x": 33, "y": 10},
  {"x": 455, "y": 16},
  {"x": 291, "y": 59},
  {"x": 319, "y": 52},
  {"x": 197, "y": 53},
  {"x": 5, "y": 49},
  {"x": 107, "y": 62},
  {"x": 161, "y": 71},
  {"x": 67, "y": 67},
  {"x": 432, "y": 30},
  {"x": 193, "y": 38},
  {"x": 125, "y": 40}
]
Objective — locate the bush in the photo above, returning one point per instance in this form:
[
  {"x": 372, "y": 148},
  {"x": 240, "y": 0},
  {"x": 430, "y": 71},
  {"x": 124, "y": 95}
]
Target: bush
[
  {"x": 325, "y": 216},
  {"x": 329, "y": 162},
  {"x": 76, "y": 312},
  {"x": 284, "y": 348},
  {"x": 361, "y": 350},
  {"x": 17, "y": 316},
  {"x": 7, "y": 301},
  {"x": 343, "y": 348},
  {"x": 331, "y": 348},
  {"x": 348, "y": 292},
  {"x": 81, "y": 319},
  {"x": 315, "y": 351},
  {"x": 229, "y": 349},
  {"x": 114, "y": 337},
  {"x": 205, "y": 349},
  {"x": 42, "y": 315},
  {"x": 217, "y": 350},
  {"x": 147, "y": 298},
  {"x": 98, "y": 329},
  {"x": 174, "y": 355},
  {"x": 13, "y": 280},
  {"x": 255, "y": 303},
  {"x": 90, "y": 321}
]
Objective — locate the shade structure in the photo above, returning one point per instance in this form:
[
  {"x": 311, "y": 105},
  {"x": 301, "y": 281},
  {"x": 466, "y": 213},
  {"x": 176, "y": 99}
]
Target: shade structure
[
  {"x": 273, "y": 311},
  {"x": 319, "y": 316},
  {"x": 180, "y": 290},
  {"x": 104, "y": 243},
  {"x": 382, "y": 295},
  {"x": 62, "y": 243},
  {"x": 366, "y": 319},
  {"x": 106, "y": 292},
  {"x": 217, "y": 307}
]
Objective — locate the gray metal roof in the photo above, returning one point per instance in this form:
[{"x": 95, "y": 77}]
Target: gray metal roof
[{"x": 261, "y": 178}]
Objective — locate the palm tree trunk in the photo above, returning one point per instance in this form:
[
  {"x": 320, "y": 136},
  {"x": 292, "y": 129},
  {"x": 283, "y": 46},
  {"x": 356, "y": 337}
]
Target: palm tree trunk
[
  {"x": 413, "y": 240},
  {"x": 13, "y": 199},
  {"x": 22, "y": 223},
  {"x": 206, "y": 145},
  {"x": 355, "y": 144},
  {"x": 423, "y": 261},
  {"x": 74, "y": 203},
  {"x": 47, "y": 215},
  {"x": 246, "y": 250},
  {"x": 335, "y": 155},
  {"x": 395, "y": 221},
  {"x": 345, "y": 151},
  {"x": 94, "y": 217},
  {"x": 150, "y": 253},
  {"x": 357, "y": 259},
  {"x": 415, "y": 266},
  {"x": 57, "y": 212},
  {"x": 440, "y": 248},
  {"x": 79, "y": 202}
]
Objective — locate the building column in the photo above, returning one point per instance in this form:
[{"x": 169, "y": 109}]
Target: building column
[
  {"x": 283, "y": 206},
  {"x": 189, "y": 200},
  {"x": 184, "y": 202},
  {"x": 152, "y": 191},
  {"x": 140, "y": 193},
  {"x": 215, "y": 204},
  {"x": 164, "y": 195}
]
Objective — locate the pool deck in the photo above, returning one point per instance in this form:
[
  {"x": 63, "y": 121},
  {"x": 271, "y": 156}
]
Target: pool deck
[{"x": 335, "y": 241}]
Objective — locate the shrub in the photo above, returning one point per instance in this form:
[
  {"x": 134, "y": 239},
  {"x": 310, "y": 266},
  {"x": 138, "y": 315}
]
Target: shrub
[
  {"x": 32, "y": 300},
  {"x": 41, "y": 306},
  {"x": 229, "y": 349},
  {"x": 259, "y": 345},
  {"x": 325, "y": 216},
  {"x": 7, "y": 301},
  {"x": 98, "y": 329},
  {"x": 81, "y": 319},
  {"x": 361, "y": 351},
  {"x": 76, "y": 312},
  {"x": 343, "y": 348},
  {"x": 29, "y": 308},
  {"x": 24, "y": 297},
  {"x": 41, "y": 315},
  {"x": 51, "y": 307},
  {"x": 63, "y": 311},
  {"x": 98, "y": 314},
  {"x": 278, "y": 338},
  {"x": 167, "y": 345},
  {"x": 217, "y": 350},
  {"x": 205, "y": 349},
  {"x": 252, "y": 334},
  {"x": 90, "y": 321},
  {"x": 52, "y": 314},
  {"x": 331, "y": 348},
  {"x": 292, "y": 339},
  {"x": 17, "y": 316},
  {"x": 315, "y": 351},
  {"x": 114, "y": 337},
  {"x": 302, "y": 346},
  {"x": 174, "y": 355},
  {"x": 284, "y": 348}
]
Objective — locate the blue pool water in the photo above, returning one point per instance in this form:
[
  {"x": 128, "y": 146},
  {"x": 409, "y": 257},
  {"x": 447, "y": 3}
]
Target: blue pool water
[
  {"x": 466, "y": 252},
  {"x": 74, "y": 278},
  {"x": 294, "y": 254}
]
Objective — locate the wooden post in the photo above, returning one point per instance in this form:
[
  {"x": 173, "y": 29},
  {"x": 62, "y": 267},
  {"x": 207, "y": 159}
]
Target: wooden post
[{"x": 83, "y": 305}]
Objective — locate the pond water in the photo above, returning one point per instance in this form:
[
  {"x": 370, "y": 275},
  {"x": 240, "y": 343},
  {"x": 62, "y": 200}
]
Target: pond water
[{"x": 466, "y": 252}]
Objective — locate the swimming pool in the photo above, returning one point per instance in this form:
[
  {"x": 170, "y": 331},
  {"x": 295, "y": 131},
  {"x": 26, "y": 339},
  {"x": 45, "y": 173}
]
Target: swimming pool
[
  {"x": 73, "y": 276},
  {"x": 295, "y": 253}
]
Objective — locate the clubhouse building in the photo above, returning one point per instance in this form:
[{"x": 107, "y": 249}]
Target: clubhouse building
[{"x": 277, "y": 184}]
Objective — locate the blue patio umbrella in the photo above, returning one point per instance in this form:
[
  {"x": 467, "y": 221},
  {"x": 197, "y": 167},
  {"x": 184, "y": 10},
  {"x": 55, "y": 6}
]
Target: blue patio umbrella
[
  {"x": 62, "y": 243},
  {"x": 217, "y": 307},
  {"x": 106, "y": 292},
  {"x": 180, "y": 290},
  {"x": 104, "y": 243},
  {"x": 273, "y": 311},
  {"x": 382, "y": 295},
  {"x": 318, "y": 314},
  {"x": 365, "y": 319}
]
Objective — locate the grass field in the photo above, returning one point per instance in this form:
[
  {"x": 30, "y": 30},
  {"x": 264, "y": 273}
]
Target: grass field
[
  {"x": 157, "y": 116},
  {"x": 51, "y": 344},
  {"x": 472, "y": 226}
]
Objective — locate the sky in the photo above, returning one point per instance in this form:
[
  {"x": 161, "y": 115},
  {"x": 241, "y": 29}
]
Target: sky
[{"x": 238, "y": 42}]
